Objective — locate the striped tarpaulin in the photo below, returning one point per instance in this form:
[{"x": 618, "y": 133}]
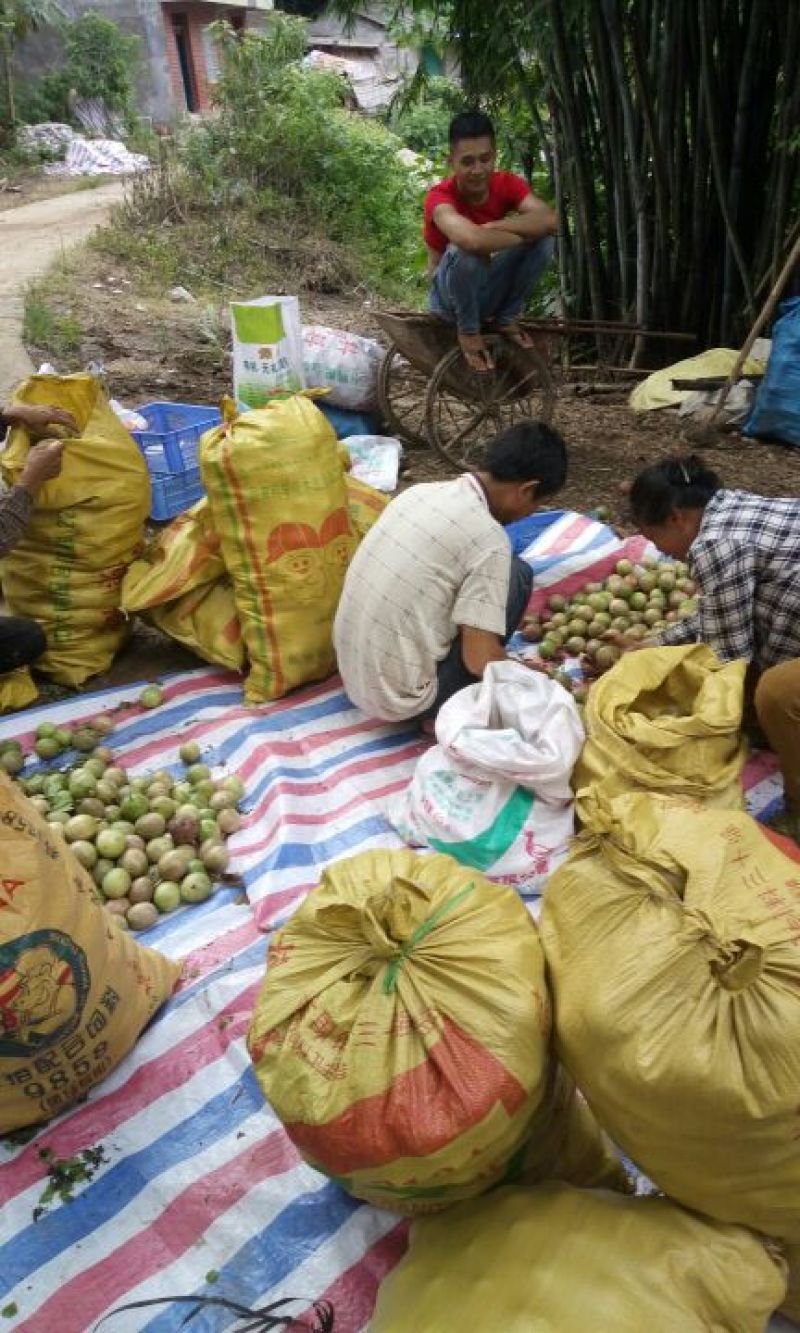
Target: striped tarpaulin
[{"x": 200, "y": 1190}]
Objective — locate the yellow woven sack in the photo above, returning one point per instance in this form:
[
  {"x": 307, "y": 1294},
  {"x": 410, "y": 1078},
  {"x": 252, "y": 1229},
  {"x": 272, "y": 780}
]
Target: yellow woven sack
[
  {"x": 561, "y": 1260},
  {"x": 665, "y": 720},
  {"x": 278, "y": 502},
  {"x": 402, "y": 1031},
  {"x": 17, "y": 690},
  {"x": 180, "y": 558},
  {"x": 672, "y": 937},
  {"x": 791, "y": 1305},
  {"x": 206, "y": 622},
  {"x": 364, "y": 505},
  {"x": 87, "y": 527},
  {"x": 75, "y": 990},
  {"x": 566, "y": 1143}
]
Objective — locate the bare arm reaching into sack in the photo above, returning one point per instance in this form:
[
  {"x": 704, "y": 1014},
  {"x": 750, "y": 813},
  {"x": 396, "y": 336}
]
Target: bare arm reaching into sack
[{"x": 44, "y": 463}]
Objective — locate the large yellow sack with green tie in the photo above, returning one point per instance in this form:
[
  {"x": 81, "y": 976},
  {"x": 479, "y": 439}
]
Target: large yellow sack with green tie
[
  {"x": 402, "y": 1035},
  {"x": 86, "y": 529},
  {"x": 560, "y": 1260},
  {"x": 279, "y": 505},
  {"x": 672, "y": 937},
  {"x": 665, "y": 720}
]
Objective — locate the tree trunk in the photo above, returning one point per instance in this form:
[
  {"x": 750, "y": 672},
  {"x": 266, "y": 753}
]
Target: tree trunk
[
  {"x": 710, "y": 105},
  {"x": 8, "y": 75}
]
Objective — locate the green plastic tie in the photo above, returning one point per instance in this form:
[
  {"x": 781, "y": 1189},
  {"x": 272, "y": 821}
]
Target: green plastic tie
[{"x": 405, "y": 950}]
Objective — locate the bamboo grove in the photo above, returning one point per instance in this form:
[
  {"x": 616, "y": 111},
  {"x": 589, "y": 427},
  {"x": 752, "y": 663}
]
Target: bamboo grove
[{"x": 671, "y": 131}]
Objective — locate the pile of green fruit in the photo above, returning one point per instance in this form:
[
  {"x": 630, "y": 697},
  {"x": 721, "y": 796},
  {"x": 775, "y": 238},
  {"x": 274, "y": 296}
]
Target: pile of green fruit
[
  {"x": 635, "y": 601},
  {"x": 150, "y": 842}
]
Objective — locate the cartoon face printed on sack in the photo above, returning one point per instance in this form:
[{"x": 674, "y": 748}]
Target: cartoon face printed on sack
[
  {"x": 337, "y": 545},
  {"x": 311, "y": 564},
  {"x": 296, "y": 560}
]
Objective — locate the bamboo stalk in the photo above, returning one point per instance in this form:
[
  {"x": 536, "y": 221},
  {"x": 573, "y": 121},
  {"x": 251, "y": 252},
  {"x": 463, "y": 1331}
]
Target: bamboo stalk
[{"x": 760, "y": 323}]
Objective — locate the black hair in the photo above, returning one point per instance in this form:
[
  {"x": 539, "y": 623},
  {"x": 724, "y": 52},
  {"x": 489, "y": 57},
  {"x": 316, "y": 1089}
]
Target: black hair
[
  {"x": 531, "y": 451},
  {"x": 470, "y": 125},
  {"x": 677, "y": 483}
]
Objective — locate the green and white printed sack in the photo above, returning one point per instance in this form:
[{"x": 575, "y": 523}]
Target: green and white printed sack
[
  {"x": 267, "y": 349},
  {"x": 495, "y": 791}
]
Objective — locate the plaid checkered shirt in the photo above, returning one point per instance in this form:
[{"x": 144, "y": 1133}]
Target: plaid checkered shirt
[{"x": 746, "y": 562}]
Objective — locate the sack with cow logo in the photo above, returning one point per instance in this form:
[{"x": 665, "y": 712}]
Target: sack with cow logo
[
  {"x": 75, "y": 990},
  {"x": 279, "y": 505}
]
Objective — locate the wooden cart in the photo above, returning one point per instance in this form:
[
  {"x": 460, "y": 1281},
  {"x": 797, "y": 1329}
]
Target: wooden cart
[{"x": 429, "y": 395}]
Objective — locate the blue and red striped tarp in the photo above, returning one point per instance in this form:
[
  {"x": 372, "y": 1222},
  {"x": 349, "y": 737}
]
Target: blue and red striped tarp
[{"x": 201, "y": 1191}]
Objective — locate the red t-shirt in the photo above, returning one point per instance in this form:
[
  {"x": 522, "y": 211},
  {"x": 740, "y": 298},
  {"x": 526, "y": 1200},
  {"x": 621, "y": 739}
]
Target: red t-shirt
[{"x": 506, "y": 193}]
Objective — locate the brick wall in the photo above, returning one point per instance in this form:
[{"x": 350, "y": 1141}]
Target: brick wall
[{"x": 196, "y": 18}]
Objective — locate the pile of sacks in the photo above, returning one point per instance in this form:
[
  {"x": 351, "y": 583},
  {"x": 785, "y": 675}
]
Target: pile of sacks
[
  {"x": 252, "y": 575},
  {"x": 422, "y": 1041}
]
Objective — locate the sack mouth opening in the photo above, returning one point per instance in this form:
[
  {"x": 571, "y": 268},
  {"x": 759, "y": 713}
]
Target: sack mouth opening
[{"x": 739, "y": 963}]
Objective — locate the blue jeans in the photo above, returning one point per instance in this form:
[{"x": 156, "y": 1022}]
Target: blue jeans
[
  {"x": 468, "y": 290},
  {"x": 451, "y": 674}
]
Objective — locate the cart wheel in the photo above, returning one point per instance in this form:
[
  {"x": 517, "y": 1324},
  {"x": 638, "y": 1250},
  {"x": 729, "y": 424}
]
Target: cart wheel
[
  {"x": 401, "y": 396},
  {"x": 464, "y": 408}
]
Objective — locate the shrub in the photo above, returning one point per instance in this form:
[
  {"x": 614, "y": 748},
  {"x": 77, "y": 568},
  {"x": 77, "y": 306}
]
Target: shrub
[
  {"x": 422, "y": 118},
  {"x": 100, "y": 60},
  {"x": 284, "y": 142}
]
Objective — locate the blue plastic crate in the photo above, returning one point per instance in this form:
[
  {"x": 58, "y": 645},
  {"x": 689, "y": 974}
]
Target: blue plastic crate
[
  {"x": 173, "y": 494},
  {"x": 170, "y": 451}
]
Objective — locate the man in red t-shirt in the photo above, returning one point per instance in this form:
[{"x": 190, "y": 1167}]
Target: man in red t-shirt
[{"x": 488, "y": 238}]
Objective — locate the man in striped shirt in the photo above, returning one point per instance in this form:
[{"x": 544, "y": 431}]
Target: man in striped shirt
[
  {"x": 22, "y": 641},
  {"x": 433, "y": 591}
]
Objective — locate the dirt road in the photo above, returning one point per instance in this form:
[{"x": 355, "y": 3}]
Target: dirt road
[{"x": 31, "y": 237}]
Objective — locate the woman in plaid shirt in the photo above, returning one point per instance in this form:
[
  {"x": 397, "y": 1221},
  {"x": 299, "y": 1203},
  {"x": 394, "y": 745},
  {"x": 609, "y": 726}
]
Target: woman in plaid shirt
[{"x": 744, "y": 554}]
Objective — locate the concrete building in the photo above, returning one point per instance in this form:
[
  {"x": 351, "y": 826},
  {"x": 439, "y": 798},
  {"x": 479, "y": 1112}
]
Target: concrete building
[{"x": 179, "y": 58}]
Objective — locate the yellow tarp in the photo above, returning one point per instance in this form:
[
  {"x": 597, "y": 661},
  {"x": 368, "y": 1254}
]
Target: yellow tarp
[{"x": 657, "y": 391}]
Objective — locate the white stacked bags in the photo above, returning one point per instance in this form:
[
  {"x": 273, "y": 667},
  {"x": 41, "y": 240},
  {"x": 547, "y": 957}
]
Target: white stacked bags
[
  {"x": 495, "y": 791},
  {"x": 344, "y": 363}
]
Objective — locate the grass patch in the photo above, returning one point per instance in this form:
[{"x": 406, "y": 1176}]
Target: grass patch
[{"x": 54, "y": 333}]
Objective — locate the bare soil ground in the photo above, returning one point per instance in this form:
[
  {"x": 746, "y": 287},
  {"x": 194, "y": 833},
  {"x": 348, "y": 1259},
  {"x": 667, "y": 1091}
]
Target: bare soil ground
[{"x": 153, "y": 348}]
